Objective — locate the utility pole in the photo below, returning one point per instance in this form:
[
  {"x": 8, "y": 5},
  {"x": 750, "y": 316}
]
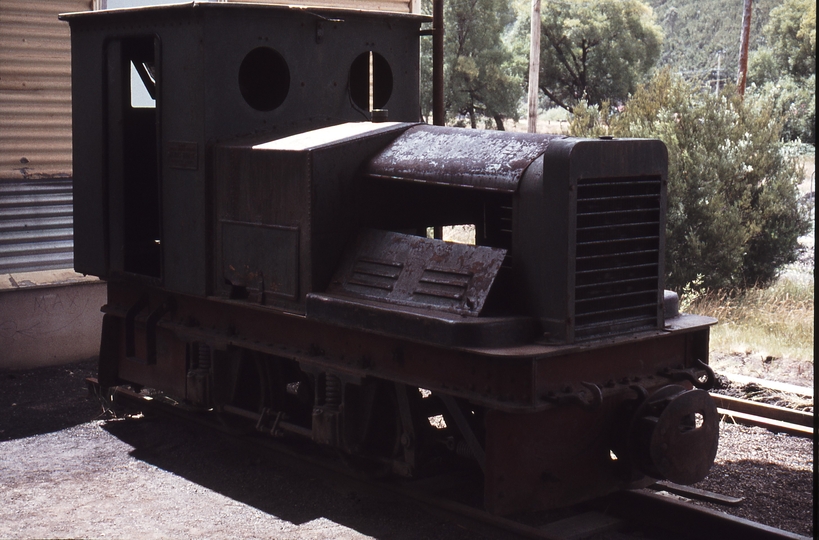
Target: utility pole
[
  {"x": 743, "y": 48},
  {"x": 438, "y": 108},
  {"x": 534, "y": 66},
  {"x": 719, "y": 72}
]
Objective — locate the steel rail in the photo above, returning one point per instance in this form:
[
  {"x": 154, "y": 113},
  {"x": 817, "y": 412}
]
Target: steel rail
[
  {"x": 695, "y": 493},
  {"x": 773, "y": 412},
  {"x": 775, "y": 386},
  {"x": 772, "y": 417}
]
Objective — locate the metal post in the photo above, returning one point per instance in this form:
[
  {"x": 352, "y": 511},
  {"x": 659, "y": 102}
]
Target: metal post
[
  {"x": 534, "y": 66},
  {"x": 438, "y": 110},
  {"x": 743, "y": 48}
]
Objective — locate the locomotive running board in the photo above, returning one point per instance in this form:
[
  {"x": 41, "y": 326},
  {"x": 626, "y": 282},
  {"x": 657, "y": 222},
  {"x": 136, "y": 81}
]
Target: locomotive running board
[
  {"x": 418, "y": 288},
  {"x": 420, "y": 325}
]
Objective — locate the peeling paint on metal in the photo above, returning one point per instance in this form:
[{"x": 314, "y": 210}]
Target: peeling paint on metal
[{"x": 460, "y": 157}]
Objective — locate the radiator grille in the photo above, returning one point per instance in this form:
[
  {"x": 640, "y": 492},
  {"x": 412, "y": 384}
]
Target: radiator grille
[{"x": 617, "y": 258}]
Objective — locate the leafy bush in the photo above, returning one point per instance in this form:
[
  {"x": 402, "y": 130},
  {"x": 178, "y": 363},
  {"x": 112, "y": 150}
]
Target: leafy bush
[
  {"x": 734, "y": 212},
  {"x": 795, "y": 101},
  {"x": 784, "y": 70}
]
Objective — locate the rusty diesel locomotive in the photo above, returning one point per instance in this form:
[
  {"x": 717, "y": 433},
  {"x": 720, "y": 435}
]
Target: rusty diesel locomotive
[{"x": 273, "y": 258}]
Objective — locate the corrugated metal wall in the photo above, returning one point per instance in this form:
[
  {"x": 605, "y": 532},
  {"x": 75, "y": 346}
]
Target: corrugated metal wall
[
  {"x": 400, "y": 6},
  {"x": 35, "y": 135},
  {"x": 36, "y": 226},
  {"x": 35, "y": 88}
]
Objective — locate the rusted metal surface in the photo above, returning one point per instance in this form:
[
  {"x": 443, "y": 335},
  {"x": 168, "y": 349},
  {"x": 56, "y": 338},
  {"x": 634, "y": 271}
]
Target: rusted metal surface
[
  {"x": 275, "y": 267},
  {"x": 228, "y": 323},
  {"x": 617, "y": 253},
  {"x": 278, "y": 241},
  {"x": 588, "y": 456},
  {"x": 516, "y": 442},
  {"x": 468, "y": 158},
  {"x": 628, "y": 512},
  {"x": 514, "y": 379},
  {"x": 421, "y": 324},
  {"x": 608, "y": 197},
  {"x": 673, "y": 435},
  {"x": 548, "y": 459},
  {"x": 421, "y": 272}
]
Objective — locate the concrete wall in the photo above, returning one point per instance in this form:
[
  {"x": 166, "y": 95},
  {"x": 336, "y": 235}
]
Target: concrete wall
[{"x": 49, "y": 318}]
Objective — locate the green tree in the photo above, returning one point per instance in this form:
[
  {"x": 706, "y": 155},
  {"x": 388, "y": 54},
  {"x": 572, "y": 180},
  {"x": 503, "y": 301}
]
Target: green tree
[
  {"x": 478, "y": 71},
  {"x": 734, "y": 211},
  {"x": 794, "y": 100},
  {"x": 784, "y": 70},
  {"x": 695, "y": 30},
  {"x": 593, "y": 50},
  {"x": 790, "y": 48}
]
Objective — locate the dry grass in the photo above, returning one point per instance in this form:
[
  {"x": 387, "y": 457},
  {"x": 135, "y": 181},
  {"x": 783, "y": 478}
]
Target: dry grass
[{"x": 772, "y": 323}]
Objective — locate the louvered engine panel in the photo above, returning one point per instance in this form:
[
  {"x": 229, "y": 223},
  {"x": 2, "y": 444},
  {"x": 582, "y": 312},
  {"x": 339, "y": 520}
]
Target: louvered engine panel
[{"x": 618, "y": 251}]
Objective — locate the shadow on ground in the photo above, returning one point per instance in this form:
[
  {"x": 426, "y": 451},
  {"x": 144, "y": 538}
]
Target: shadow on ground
[
  {"x": 780, "y": 493},
  {"x": 276, "y": 484},
  {"x": 46, "y": 399},
  {"x": 50, "y": 399}
]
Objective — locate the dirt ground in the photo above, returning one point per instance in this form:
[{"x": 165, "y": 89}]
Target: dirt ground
[
  {"x": 67, "y": 473},
  {"x": 787, "y": 370}
]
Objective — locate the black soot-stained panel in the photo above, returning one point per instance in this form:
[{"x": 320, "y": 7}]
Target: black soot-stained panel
[{"x": 419, "y": 272}]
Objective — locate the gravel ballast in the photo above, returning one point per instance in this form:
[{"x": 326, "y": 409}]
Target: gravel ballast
[{"x": 66, "y": 472}]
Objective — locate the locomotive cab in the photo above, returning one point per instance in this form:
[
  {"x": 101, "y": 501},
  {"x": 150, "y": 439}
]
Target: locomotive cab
[{"x": 160, "y": 86}]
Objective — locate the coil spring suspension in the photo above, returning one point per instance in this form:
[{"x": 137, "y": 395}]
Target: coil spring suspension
[
  {"x": 460, "y": 448},
  {"x": 203, "y": 357},
  {"x": 332, "y": 390}
]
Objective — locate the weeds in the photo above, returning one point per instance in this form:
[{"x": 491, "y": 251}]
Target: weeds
[{"x": 771, "y": 323}]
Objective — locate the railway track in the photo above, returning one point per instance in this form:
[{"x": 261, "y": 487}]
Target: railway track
[
  {"x": 647, "y": 514},
  {"x": 772, "y": 417},
  {"x": 752, "y": 413}
]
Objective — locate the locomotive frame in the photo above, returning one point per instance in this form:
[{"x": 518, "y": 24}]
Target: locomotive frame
[{"x": 273, "y": 267}]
